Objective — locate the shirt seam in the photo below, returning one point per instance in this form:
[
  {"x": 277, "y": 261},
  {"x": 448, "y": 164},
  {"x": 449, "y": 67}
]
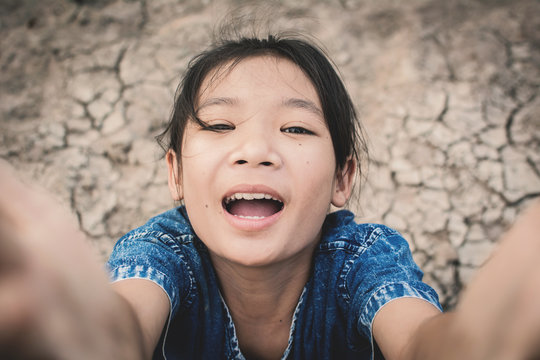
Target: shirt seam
[
  {"x": 407, "y": 287},
  {"x": 370, "y": 241},
  {"x": 388, "y": 302}
]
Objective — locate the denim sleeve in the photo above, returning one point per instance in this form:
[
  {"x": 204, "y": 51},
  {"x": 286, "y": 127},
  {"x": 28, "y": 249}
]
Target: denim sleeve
[
  {"x": 152, "y": 256},
  {"x": 384, "y": 270}
]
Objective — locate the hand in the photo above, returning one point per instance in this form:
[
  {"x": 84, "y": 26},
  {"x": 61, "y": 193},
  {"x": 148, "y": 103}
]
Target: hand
[{"x": 55, "y": 301}]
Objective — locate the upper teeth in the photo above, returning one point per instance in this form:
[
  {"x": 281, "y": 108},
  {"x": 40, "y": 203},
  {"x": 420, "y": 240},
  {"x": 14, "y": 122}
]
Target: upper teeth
[{"x": 249, "y": 196}]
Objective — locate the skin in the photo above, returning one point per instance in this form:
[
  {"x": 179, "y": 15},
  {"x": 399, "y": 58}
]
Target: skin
[{"x": 54, "y": 306}]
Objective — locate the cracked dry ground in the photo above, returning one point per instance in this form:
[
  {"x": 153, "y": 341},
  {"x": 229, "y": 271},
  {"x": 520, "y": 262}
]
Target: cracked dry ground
[{"x": 447, "y": 91}]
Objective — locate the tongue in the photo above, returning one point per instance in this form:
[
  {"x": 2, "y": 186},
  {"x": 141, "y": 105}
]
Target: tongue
[{"x": 254, "y": 207}]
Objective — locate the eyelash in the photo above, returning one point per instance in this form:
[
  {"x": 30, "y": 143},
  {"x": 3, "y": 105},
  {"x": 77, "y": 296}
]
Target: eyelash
[
  {"x": 219, "y": 127},
  {"x": 297, "y": 130}
]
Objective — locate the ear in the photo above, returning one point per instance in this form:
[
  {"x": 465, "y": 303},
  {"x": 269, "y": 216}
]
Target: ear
[
  {"x": 175, "y": 187},
  {"x": 344, "y": 183}
]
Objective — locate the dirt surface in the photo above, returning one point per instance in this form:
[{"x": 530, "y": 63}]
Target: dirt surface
[{"x": 447, "y": 92}]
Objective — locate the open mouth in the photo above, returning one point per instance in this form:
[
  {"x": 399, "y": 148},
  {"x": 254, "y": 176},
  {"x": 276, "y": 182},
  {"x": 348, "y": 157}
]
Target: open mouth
[{"x": 252, "y": 205}]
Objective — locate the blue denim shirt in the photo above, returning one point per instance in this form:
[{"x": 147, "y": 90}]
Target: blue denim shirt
[{"x": 356, "y": 270}]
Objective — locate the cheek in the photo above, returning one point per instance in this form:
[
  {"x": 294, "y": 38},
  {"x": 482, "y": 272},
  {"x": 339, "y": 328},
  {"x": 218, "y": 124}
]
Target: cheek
[{"x": 318, "y": 161}]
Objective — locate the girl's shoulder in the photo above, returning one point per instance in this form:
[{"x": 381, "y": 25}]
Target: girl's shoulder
[
  {"x": 341, "y": 227},
  {"x": 172, "y": 224}
]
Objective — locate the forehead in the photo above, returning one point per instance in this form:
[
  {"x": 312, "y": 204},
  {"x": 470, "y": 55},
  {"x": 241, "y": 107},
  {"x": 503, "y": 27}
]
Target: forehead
[{"x": 257, "y": 73}]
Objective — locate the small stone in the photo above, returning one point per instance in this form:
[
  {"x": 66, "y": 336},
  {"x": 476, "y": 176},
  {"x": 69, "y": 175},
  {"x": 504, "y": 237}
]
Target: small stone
[
  {"x": 409, "y": 178},
  {"x": 509, "y": 215},
  {"x": 395, "y": 221},
  {"x": 495, "y": 137},
  {"x": 465, "y": 122},
  {"x": 78, "y": 87},
  {"x": 451, "y": 181},
  {"x": 76, "y": 110},
  {"x": 83, "y": 139},
  {"x": 139, "y": 65},
  {"x": 491, "y": 215},
  {"x": 89, "y": 86},
  {"x": 372, "y": 206},
  {"x": 519, "y": 177},
  {"x": 52, "y": 136},
  {"x": 400, "y": 164},
  {"x": 423, "y": 241},
  {"x": 432, "y": 177},
  {"x": 476, "y": 233},
  {"x": 98, "y": 109},
  {"x": 456, "y": 230},
  {"x": 143, "y": 151},
  {"x": 441, "y": 136},
  {"x": 113, "y": 122},
  {"x": 158, "y": 200},
  {"x": 521, "y": 51},
  {"x": 491, "y": 172},
  {"x": 434, "y": 199},
  {"x": 380, "y": 178},
  {"x": 461, "y": 154},
  {"x": 435, "y": 220},
  {"x": 426, "y": 104},
  {"x": 482, "y": 151},
  {"x": 467, "y": 200},
  {"x": 79, "y": 125},
  {"x": 526, "y": 126},
  {"x": 417, "y": 128},
  {"x": 147, "y": 107},
  {"x": 496, "y": 110},
  {"x": 72, "y": 158}
]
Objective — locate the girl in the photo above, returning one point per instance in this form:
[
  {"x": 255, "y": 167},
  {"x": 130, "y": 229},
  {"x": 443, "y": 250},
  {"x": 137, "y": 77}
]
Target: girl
[{"x": 262, "y": 141}]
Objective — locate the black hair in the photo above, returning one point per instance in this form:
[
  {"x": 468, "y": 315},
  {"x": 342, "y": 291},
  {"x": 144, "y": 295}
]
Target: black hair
[{"x": 338, "y": 109}]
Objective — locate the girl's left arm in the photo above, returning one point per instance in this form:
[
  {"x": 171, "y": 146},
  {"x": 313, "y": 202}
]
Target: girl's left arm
[{"x": 498, "y": 316}]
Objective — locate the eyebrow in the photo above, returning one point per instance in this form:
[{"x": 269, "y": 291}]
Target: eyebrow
[
  {"x": 218, "y": 101},
  {"x": 295, "y": 103},
  {"x": 303, "y": 104}
]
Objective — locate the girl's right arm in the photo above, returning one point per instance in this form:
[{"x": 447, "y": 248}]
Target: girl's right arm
[
  {"x": 55, "y": 298},
  {"x": 150, "y": 305}
]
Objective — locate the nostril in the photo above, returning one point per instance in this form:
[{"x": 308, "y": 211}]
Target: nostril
[{"x": 263, "y": 163}]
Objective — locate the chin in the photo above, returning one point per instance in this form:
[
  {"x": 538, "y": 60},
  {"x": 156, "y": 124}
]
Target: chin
[
  {"x": 253, "y": 261},
  {"x": 252, "y": 258}
]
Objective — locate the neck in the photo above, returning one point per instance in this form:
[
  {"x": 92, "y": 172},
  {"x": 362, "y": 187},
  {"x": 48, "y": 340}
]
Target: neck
[
  {"x": 262, "y": 301},
  {"x": 265, "y": 294}
]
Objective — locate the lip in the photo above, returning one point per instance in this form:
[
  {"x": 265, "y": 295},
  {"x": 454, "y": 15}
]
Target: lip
[{"x": 253, "y": 224}]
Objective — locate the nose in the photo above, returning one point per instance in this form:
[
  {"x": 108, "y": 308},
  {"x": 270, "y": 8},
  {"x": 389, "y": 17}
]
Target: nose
[{"x": 256, "y": 148}]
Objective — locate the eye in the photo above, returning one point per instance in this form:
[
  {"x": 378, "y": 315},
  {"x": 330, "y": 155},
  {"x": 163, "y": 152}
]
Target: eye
[
  {"x": 219, "y": 127},
  {"x": 297, "y": 130}
]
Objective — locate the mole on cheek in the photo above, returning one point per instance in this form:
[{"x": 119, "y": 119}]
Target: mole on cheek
[{"x": 206, "y": 206}]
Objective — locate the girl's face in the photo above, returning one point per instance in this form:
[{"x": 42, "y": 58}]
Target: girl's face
[{"x": 258, "y": 183}]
